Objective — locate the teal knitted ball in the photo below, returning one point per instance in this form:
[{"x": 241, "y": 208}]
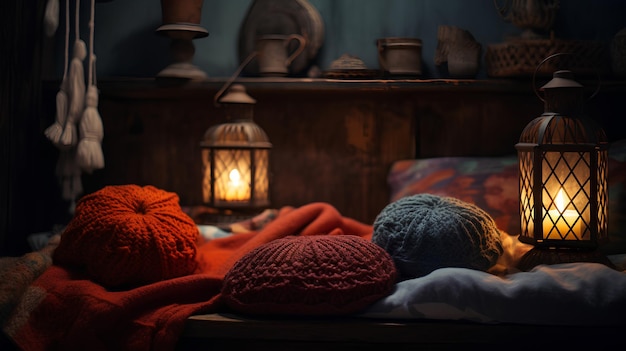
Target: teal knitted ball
[{"x": 424, "y": 232}]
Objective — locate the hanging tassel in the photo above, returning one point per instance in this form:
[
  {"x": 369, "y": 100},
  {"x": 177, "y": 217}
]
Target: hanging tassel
[
  {"x": 51, "y": 17},
  {"x": 68, "y": 171},
  {"x": 76, "y": 90},
  {"x": 89, "y": 153},
  {"x": 54, "y": 132}
]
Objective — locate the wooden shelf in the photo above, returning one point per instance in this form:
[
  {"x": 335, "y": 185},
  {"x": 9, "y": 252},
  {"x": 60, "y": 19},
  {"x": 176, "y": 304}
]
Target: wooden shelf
[
  {"x": 323, "y": 85},
  {"x": 340, "y": 333},
  {"x": 155, "y": 88},
  {"x": 146, "y": 88}
]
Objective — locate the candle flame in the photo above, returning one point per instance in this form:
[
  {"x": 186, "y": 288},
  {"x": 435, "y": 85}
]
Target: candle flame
[
  {"x": 561, "y": 201},
  {"x": 234, "y": 177}
]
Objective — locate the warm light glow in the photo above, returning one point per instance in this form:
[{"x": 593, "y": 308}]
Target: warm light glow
[
  {"x": 236, "y": 188},
  {"x": 560, "y": 201},
  {"x": 560, "y": 220},
  {"x": 234, "y": 177}
]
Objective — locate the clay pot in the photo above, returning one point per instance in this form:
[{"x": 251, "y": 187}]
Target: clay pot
[
  {"x": 464, "y": 59},
  {"x": 400, "y": 56},
  {"x": 181, "y": 11}
]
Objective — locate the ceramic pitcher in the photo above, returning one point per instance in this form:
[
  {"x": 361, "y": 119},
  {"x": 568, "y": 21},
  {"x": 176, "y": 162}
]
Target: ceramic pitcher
[{"x": 273, "y": 53}]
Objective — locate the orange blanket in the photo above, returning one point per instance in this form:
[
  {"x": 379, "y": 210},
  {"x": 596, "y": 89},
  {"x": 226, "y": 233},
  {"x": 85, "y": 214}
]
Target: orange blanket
[{"x": 63, "y": 310}]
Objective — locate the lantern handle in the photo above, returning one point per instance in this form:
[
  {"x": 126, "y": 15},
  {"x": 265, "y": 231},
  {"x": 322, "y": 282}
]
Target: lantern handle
[
  {"x": 551, "y": 57},
  {"x": 232, "y": 78}
]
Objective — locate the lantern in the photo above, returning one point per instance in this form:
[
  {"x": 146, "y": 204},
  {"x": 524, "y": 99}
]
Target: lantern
[
  {"x": 235, "y": 157},
  {"x": 563, "y": 187}
]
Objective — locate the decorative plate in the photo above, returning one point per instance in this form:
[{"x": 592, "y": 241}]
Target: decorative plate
[{"x": 282, "y": 17}]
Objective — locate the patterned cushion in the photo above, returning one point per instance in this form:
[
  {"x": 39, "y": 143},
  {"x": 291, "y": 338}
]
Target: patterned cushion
[
  {"x": 488, "y": 182},
  {"x": 491, "y": 183}
]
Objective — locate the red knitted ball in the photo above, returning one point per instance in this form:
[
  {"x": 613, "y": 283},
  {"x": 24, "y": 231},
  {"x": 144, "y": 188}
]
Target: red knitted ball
[
  {"x": 310, "y": 275},
  {"x": 129, "y": 235}
]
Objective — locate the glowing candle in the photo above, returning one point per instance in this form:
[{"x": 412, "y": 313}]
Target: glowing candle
[
  {"x": 562, "y": 219},
  {"x": 236, "y": 189}
]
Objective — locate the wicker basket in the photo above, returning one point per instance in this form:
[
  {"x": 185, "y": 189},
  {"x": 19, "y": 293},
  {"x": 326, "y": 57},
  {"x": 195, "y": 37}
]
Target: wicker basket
[{"x": 520, "y": 57}]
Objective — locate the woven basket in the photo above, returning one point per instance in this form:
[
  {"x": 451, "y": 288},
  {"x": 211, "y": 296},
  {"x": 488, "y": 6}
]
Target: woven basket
[{"x": 520, "y": 58}]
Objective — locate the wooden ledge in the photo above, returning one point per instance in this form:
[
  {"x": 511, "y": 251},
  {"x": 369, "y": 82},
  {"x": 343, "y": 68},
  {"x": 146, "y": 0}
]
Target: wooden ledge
[
  {"x": 156, "y": 88},
  {"x": 377, "y": 331}
]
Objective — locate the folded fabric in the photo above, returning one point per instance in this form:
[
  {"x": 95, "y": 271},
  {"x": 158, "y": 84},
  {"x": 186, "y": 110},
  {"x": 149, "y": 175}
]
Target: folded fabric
[
  {"x": 216, "y": 257},
  {"x": 65, "y": 310},
  {"x": 561, "y": 294},
  {"x": 17, "y": 273}
]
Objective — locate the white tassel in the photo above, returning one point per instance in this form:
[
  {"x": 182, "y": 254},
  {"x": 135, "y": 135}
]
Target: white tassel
[
  {"x": 51, "y": 17},
  {"x": 76, "y": 90},
  {"x": 89, "y": 153},
  {"x": 54, "y": 132},
  {"x": 68, "y": 171}
]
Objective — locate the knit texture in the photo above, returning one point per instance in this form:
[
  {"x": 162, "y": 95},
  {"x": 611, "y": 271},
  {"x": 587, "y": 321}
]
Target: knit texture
[
  {"x": 425, "y": 232},
  {"x": 65, "y": 310},
  {"x": 129, "y": 235},
  {"x": 310, "y": 275}
]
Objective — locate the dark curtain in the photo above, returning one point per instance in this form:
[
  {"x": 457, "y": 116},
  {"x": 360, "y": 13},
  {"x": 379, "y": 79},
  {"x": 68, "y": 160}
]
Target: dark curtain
[{"x": 25, "y": 185}]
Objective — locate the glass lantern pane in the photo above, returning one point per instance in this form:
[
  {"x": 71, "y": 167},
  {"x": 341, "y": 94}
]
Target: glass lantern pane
[
  {"x": 602, "y": 195},
  {"x": 207, "y": 187},
  {"x": 261, "y": 178},
  {"x": 232, "y": 175},
  {"x": 566, "y": 195},
  {"x": 527, "y": 203}
]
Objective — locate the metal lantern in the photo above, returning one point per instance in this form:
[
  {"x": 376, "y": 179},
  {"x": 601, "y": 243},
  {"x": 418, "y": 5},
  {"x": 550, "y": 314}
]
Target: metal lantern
[
  {"x": 563, "y": 158},
  {"x": 235, "y": 157}
]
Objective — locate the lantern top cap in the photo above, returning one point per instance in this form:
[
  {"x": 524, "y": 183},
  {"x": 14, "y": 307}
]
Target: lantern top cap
[
  {"x": 562, "y": 79},
  {"x": 237, "y": 95}
]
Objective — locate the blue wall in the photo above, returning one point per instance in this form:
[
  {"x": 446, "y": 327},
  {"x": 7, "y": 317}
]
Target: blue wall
[{"x": 126, "y": 43}]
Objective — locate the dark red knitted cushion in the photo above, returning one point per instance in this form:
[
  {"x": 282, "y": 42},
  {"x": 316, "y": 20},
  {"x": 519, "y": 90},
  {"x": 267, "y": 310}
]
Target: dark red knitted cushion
[{"x": 310, "y": 275}]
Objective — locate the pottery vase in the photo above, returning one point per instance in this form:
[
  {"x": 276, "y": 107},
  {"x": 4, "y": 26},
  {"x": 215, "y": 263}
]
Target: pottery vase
[
  {"x": 181, "y": 11},
  {"x": 400, "y": 56}
]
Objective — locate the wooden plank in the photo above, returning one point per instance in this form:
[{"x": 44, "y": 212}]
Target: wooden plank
[
  {"x": 176, "y": 89},
  {"x": 332, "y": 141},
  {"x": 325, "y": 147},
  {"x": 362, "y": 331}
]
